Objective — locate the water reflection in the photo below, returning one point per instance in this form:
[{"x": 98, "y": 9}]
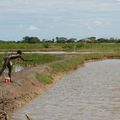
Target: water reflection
[{"x": 18, "y": 68}]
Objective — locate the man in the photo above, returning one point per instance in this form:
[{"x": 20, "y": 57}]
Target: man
[{"x": 7, "y": 62}]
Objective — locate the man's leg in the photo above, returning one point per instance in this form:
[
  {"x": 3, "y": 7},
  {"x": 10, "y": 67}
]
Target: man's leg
[
  {"x": 3, "y": 67},
  {"x": 9, "y": 69}
]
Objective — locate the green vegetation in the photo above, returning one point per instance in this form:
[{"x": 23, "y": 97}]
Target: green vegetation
[
  {"x": 79, "y": 46},
  {"x": 37, "y": 59},
  {"x": 57, "y": 66},
  {"x": 63, "y": 66},
  {"x": 44, "y": 79},
  {"x": 23, "y": 46},
  {"x": 62, "y": 43},
  {"x": 92, "y": 47}
]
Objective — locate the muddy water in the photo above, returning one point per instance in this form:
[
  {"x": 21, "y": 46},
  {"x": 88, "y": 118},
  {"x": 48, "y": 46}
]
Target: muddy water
[{"x": 89, "y": 93}]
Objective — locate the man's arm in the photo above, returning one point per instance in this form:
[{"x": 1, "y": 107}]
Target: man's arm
[{"x": 25, "y": 59}]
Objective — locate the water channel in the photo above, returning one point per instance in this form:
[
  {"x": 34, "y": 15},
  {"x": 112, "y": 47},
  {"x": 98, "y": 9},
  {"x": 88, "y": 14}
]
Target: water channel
[{"x": 89, "y": 93}]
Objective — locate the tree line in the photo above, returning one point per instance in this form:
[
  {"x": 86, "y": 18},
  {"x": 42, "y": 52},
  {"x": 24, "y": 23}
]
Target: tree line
[{"x": 33, "y": 40}]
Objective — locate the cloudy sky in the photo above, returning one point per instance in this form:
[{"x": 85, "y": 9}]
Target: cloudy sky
[{"x": 51, "y": 18}]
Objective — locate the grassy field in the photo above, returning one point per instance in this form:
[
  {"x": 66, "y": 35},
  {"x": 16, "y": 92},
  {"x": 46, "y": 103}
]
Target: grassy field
[
  {"x": 94, "y": 47},
  {"x": 29, "y": 47}
]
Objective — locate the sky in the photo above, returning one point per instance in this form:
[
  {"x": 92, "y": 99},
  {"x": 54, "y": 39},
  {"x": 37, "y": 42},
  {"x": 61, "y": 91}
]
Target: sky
[{"x": 63, "y": 18}]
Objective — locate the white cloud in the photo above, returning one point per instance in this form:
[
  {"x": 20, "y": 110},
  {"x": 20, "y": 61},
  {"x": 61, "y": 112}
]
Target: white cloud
[
  {"x": 33, "y": 28},
  {"x": 97, "y": 24},
  {"x": 101, "y": 23}
]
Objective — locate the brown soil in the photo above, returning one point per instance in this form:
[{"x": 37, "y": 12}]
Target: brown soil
[{"x": 24, "y": 88}]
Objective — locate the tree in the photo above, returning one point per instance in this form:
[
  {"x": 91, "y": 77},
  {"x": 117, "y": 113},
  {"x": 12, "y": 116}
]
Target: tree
[
  {"x": 61, "y": 39},
  {"x": 92, "y": 39},
  {"x": 28, "y": 39},
  {"x": 53, "y": 40},
  {"x": 71, "y": 40},
  {"x": 102, "y": 40}
]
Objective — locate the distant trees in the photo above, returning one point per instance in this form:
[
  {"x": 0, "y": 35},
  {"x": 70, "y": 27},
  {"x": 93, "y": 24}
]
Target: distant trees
[
  {"x": 46, "y": 42},
  {"x": 61, "y": 39},
  {"x": 92, "y": 39},
  {"x": 71, "y": 40},
  {"x": 28, "y": 39},
  {"x": 100, "y": 40},
  {"x": 65, "y": 40},
  {"x": 1, "y": 41}
]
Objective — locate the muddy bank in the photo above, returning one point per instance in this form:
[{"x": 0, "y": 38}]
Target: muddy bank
[{"x": 23, "y": 89}]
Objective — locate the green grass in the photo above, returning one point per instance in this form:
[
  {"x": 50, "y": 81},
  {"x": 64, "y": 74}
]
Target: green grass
[
  {"x": 29, "y": 47},
  {"x": 67, "y": 65},
  {"x": 94, "y": 47},
  {"x": 12, "y": 46},
  {"x": 44, "y": 79},
  {"x": 36, "y": 59}
]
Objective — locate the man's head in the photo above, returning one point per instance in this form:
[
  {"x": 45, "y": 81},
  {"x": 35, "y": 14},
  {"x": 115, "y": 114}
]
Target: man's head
[{"x": 19, "y": 52}]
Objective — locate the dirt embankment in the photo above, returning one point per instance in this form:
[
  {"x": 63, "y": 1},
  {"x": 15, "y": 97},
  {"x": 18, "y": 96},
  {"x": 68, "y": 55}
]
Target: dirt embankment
[{"x": 23, "y": 89}]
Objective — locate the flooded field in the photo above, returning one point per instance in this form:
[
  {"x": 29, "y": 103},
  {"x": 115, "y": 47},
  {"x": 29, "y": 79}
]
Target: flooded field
[{"x": 89, "y": 93}]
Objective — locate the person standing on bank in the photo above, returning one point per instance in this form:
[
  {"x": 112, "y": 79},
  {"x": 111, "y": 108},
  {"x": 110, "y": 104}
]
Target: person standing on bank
[{"x": 8, "y": 64}]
